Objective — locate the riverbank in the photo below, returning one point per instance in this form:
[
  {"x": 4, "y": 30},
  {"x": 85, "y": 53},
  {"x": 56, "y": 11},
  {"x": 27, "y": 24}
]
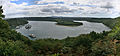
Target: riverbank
[
  {"x": 13, "y": 23},
  {"x": 106, "y": 21}
]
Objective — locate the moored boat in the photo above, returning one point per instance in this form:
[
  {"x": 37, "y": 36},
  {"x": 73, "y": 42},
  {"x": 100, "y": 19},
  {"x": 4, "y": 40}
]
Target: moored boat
[
  {"x": 18, "y": 27},
  {"x": 32, "y": 36},
  {"x": 28, "y": 26}
]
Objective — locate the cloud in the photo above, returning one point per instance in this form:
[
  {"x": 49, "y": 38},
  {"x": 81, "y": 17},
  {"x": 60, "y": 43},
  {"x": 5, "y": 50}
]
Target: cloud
[
  {"x": 46, "y": 3},
  {"x": 58, "y": 10},
  {"x": 70, "y": 8}
]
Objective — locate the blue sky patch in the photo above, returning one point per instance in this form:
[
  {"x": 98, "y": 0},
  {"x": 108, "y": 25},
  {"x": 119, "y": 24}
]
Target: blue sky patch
[{"x": 30, "y": 2}]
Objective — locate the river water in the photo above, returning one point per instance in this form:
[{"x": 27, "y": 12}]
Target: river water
[{"x": 47, "y": 29}]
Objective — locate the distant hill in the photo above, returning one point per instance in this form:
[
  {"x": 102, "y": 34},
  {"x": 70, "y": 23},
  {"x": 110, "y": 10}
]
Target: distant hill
[
  {"x": 105, "y": 21},
  {"x": 51, "y": 18}
]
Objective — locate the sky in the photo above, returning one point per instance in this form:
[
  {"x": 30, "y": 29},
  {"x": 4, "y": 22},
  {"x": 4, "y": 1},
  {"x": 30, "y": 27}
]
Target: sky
[{"x": 61, "y": 8}]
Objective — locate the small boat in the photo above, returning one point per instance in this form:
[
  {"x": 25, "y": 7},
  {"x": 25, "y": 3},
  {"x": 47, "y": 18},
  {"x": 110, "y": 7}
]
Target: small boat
[
  {"x": 18, "y": 27},
  {"x": 32, "y": 36},
  {"x": 28, "y": 26}
]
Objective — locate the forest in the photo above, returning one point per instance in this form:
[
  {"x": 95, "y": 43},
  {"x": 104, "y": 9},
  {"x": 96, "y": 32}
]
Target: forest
[
  {"x": 13, "y": 23},
  {"x": 106, "y": 43}
]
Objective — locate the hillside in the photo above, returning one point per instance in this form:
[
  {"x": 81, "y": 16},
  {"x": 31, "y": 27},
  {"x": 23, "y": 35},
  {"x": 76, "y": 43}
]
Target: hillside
[
  {"x": 13, "y": 23},
  {"x": 93, "y": 44}
]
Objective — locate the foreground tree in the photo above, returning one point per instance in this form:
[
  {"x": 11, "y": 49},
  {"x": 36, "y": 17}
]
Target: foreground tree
[
  {"x": 1, "y": 11},
  {"x": 11, "y": 42}
]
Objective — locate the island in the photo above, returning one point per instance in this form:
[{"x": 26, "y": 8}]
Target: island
[{"x": 67, "y": 22}]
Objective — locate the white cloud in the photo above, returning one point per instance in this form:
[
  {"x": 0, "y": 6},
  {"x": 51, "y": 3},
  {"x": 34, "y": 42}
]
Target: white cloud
[{"x": 90, "y": 8}]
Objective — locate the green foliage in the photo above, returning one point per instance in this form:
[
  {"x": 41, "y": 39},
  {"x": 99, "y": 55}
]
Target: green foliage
[
  {"x": 1, "y": 11},
  {"x": 16, "y": 22},
  {"x": 3, "y": 24},
  {"x": 47, "y": 46},
  {"x": 93, "y": 44},
  {"x": 102, "y": 48},
  {"x": 115, "y": 33},
  {"x": 11, "y": 48},
  {"x": 83, "y": 40},
  {"x": 11, "y": 42}
]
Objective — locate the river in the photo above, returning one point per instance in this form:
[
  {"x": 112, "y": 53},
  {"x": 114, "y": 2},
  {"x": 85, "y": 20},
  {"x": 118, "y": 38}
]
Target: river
[{"x": 47, "y": 29}]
